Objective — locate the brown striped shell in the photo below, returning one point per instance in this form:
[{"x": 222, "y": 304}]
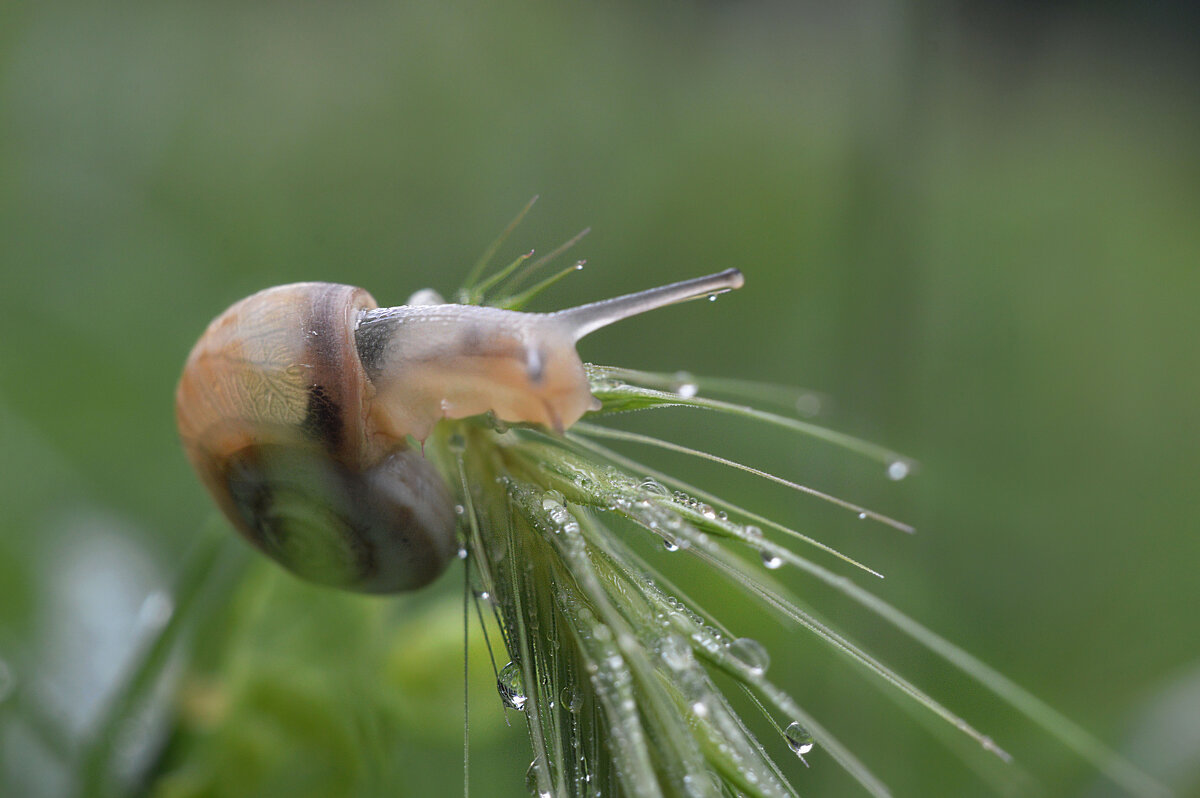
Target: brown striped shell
[{"x": 273, "y": 409}]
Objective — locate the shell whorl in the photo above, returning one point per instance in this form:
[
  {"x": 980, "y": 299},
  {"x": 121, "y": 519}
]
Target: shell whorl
[{"x": 274, "y": 412}]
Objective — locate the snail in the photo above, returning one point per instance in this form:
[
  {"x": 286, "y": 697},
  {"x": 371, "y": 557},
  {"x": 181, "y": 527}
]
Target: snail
[{"x": 297, "y": 404}]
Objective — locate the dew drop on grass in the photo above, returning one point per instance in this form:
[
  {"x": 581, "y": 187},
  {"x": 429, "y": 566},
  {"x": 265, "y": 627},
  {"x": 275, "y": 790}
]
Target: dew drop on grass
[
  {"x": 670, "y": 545},
  {"x": 798, "y": 738},
  {"x": 531, "y": 780},
  {"x": 750, "y": 653},
  {"x": 771, "y": 561},
  {"x": 676, "y": 653},
  {"x": 897, "y": 470},
  {"x": 552, "y": 500},
  {"x": 808, "y": 404},
  {"x": 862, "y": 516},
  {"x": 651, "y": 485},
  {"x": 572, "y": 699},
  {"x": 685, "y": 385},
  {"x": 511, "y": 687}
]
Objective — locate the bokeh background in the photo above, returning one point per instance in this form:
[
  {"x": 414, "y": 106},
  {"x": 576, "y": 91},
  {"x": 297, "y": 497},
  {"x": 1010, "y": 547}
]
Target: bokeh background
[{"x": 976, "y": 233}]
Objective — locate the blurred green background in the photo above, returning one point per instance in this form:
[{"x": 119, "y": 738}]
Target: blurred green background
[{"x": 977, "y": 233}]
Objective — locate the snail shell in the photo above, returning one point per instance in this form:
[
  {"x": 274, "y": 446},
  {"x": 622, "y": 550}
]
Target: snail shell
[{"x": 296, "y": 405}]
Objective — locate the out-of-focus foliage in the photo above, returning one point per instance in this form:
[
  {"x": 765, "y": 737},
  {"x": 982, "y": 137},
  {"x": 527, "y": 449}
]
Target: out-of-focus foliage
[{"x": 985, "y": 249}]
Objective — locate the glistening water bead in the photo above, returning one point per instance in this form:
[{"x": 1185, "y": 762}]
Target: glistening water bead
[
  {"x": 531, "y": 779},
  {"x": 750, "y": 653},
  {"x": 685, "y": 385},
  {"x": 511, "y": 687},
  {"x": 571, "y": 698},
  {"x": 771, "y": 561},
  {"x": 798, "y": 738}
]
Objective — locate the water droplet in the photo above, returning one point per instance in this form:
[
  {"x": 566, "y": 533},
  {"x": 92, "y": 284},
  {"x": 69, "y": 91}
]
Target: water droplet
[
  {"x": 708, "y": 512},
  {"x": 898, "y": 469},
  {"x": 771, "y": 561},
  {"x": 651, "y": 485},
  {"x": 510, "y": 685},
  {"x": 572, "y": 699},
  {"x": 808, "y": 404},
  {"x": 459, "y": 509},
  {"x": 798, "y": 738},
  {"x": 483, "y": 595},
  {"x": 676, "y": 653},
  {"x": 750, "y": 653},
  {"x": 700, "y": 708},
  {"x": 712, "y": 297},
  {"x": 752, "y": 531},
  {"x": 156, "y": 610},
  {"x": 862, "y": 516},
  {"x": 552, "y": 500},
  {"x": 457, "y": 443},
  {"x": 461, "y": 553},
  {"x": 531, "y": 779},
  {"x": 670, "y": 545},
  {"x": 685, "y": 385}
]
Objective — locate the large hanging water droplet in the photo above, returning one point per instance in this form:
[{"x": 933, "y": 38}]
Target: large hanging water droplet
[
  {"x": 898, "y": 469},
  {"x": 798, "y": 738},
  {"x": 670, "y": 545},
  {"x": 750, "y": 653},
  {"x": 771, "y": 561},
  {"x": 511, "y": 686}
]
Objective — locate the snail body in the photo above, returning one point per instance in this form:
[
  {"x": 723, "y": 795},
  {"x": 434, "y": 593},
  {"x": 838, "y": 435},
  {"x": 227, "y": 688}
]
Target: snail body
[{"x": 296, "y": 406}]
